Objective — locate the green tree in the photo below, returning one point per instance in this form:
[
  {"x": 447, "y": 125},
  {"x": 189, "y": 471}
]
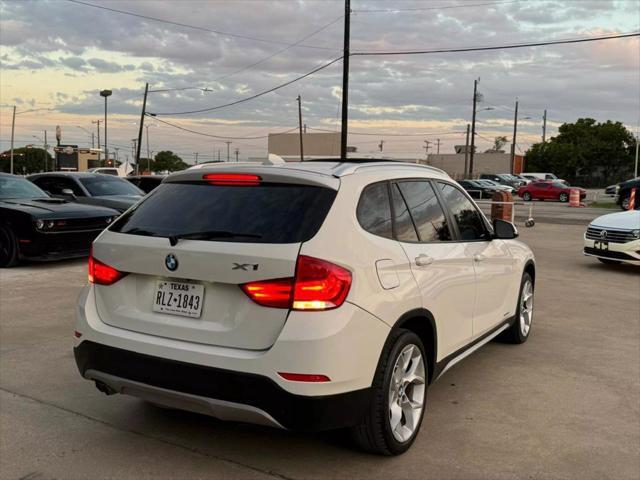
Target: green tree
[
  {"x": 586, "y": 152},
  {"x": 166, "y": 160},
  {"x": 499, "y": 142},
  {"x": 26, "y": 160}
]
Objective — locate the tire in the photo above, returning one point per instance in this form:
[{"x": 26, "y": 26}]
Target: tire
[
  {"x": 564, "y": 197},
  {"x": 606, "y": 261},
  {"x": 526, "y": 196},
  {"x": 521, "y": 329},
  {"x": 8, "y": 247},
  {"x": 624, "y": 204},
  {"x": 376, "y": 433}
]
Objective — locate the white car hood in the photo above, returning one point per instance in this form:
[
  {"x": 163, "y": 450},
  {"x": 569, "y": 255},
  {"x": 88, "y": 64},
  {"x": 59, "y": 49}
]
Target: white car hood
[{"x": 629, "y": 220}]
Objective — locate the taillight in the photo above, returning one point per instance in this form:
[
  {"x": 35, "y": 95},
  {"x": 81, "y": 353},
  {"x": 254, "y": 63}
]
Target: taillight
[
  {"x": 101, "y": 273},
  {"x": 240, "y": 179},
  {"x": 270, "y": 293},
  {"x": 318, "y": 285}
]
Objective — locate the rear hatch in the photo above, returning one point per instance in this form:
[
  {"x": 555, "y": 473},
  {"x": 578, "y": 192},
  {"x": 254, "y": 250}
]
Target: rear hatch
[{"x": 187, "y": 248}]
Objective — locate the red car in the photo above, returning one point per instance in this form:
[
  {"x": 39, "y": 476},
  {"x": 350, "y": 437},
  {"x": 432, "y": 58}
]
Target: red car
[{"x": 548, "y": 190}]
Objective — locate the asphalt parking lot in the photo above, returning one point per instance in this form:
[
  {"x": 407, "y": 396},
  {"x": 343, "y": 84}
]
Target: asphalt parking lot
[{"x": 566, "y": 404}]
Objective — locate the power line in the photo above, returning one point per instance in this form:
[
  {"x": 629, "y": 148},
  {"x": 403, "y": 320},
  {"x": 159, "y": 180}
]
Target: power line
[
  {"x": 194, "y": 27},
  {"x": 378, "y": 134},
  {"x": 500, "y": 47},
  {"x": 179, "y": 127},
  {"x": 252, "y": 97},
  {"x": 441, "y": 7}
]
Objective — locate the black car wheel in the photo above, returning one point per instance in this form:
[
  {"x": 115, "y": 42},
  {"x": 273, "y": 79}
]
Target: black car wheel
[
  {"x": 564, "y": 197},
  {"x": 624, "y": 204},
  {"x": 526, "y": 196},
  {"x": 8, "y": 247}
]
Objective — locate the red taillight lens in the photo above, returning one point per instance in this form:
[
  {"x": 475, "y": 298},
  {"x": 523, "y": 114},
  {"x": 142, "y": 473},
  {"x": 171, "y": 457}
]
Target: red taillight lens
[
  {"x": 101, "y": 273},
  {"x": 270, "y": 293},
  {"x": 318, "y": 285},
  {"x": 241, "y": 179}
]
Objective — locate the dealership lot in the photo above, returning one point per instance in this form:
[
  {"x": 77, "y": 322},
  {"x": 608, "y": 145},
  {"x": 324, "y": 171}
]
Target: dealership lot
[{"x": 563, "y": 405}]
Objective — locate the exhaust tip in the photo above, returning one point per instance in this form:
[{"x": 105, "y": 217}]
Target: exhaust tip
[{"x": 104, "y": 388}]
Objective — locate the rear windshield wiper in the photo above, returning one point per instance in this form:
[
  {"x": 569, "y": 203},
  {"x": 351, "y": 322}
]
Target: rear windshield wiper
[{"x": 209, "y": 235}]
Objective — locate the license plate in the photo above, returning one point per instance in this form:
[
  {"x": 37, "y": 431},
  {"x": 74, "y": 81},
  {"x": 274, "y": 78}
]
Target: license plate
[
  {"x": 601, "y": 245},
  {"x": 177, "y": 298}
]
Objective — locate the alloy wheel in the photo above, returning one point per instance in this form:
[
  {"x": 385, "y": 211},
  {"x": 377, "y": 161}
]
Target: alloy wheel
[
  {"x": 406, "y": 393},
  {"x": 526, "y": 308}
]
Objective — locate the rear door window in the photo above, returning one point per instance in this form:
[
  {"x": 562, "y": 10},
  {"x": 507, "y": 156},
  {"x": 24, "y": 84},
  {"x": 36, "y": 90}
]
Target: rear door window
[
  {"x": 374, "y": 210},
  {"x": 426, "y": 211},
  {"x": 403, "y": 223},
  {"x": 265, "y": 213}
]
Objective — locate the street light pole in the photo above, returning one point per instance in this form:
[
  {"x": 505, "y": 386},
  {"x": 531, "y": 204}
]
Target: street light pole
[
  {"x": 97, "y": 122},
  {"x": 148, "y": 154},
  {"x": 13, "y": 128},
  {"x": 228, "y": 155},
  {"x": 544, "y": 126},
  {"x": 237, "y": 152},
  {"x": 105, "y": 94}
]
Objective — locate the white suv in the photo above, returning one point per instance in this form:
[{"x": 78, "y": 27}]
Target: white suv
[{"x": 306, "y": 296}]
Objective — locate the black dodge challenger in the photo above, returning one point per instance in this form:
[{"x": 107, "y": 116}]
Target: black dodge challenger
[{"x": 37, "y": 227}]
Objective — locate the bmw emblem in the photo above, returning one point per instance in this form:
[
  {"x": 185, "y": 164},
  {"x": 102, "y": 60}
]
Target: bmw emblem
[{"x": 171, "y": 262}]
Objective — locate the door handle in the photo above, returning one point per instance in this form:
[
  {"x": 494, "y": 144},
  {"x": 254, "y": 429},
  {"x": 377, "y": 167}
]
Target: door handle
[
  {"x": 423, "y": 260},
  {"x": 478, "y": 257}
]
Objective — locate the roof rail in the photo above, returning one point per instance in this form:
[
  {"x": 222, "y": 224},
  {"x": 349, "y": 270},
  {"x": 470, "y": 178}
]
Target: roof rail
[{"x": 347, "y": 168}]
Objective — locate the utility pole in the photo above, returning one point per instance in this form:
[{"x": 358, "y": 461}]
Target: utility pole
[
  {"x": 13, "y": 128},
  {"x": 116, "y": 149},
  {"x": 98, "y": 123},
  {"x": 438, "y": 145},
  {"x": 228, "y": 143},
  {"x": 148, "y": 153},
  {"x": 466, "y": 152},
  {"x": 196, "y": 155},
  {"x": 513, "y": 143},
  {"x": 544, "y": 126},
  {"x": 635, "y": 174},
  {"x": 237, "y": 152},
  {"x": 144, "y": 111},
  {"x": 426, "y": 147},
  {"x": 299, "y": 99},
  {"x": 345, "y": 81},
  {"x": 46, "y": 152},
  {"x": 93, "y": 138},
  {"x": 134, "y": 149},
  {"x": 473, "y": 127},
  {"x": 381, "y": 145},
  {"x": 218, "y": 154}
]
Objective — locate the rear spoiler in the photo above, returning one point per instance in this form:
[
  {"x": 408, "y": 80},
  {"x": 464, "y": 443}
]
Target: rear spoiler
[{"x": 274, "y": 173}]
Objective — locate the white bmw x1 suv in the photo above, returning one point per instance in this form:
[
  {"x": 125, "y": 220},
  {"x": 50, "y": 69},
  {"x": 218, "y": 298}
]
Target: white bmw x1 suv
[{"x": 306, "y": 296}]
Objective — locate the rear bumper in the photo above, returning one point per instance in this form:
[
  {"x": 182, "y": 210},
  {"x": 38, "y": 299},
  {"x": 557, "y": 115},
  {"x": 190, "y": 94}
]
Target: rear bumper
[
  {"x": 221, "y": 393},
  {"x": 343, "y": 344}
]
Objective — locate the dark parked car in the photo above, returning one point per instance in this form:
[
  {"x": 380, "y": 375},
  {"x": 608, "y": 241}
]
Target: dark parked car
[
  {"x": 504, "y": 179},
  {"x": 146, "y": 183},
  {"x": 496, "y": 185},
  {"x": 89, "y": 188},
  {"x": 38, "y": 227},
  {"x": 624, "y": 192},
  {"x": 549, "y": 190},
  {"x": 477, "y": 189}
]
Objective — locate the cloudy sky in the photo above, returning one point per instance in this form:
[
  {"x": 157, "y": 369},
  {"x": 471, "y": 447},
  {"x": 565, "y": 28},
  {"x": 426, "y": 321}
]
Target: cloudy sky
[{"x": 56, "y": 55}]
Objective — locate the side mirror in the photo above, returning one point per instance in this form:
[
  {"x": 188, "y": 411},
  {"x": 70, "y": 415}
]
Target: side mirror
[
  {"x": 67, "y": 192},
  {"x": 504, "y": 230}
]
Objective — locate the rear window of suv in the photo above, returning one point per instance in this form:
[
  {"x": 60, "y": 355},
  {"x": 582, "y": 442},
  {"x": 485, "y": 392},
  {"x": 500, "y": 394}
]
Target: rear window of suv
[{"x": 265, "y": 213}]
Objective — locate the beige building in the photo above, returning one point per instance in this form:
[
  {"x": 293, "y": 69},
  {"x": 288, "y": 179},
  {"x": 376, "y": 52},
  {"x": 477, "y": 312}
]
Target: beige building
[
  {"x": 488, "y": 162},
  {"x": 287, "y": 145}
]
